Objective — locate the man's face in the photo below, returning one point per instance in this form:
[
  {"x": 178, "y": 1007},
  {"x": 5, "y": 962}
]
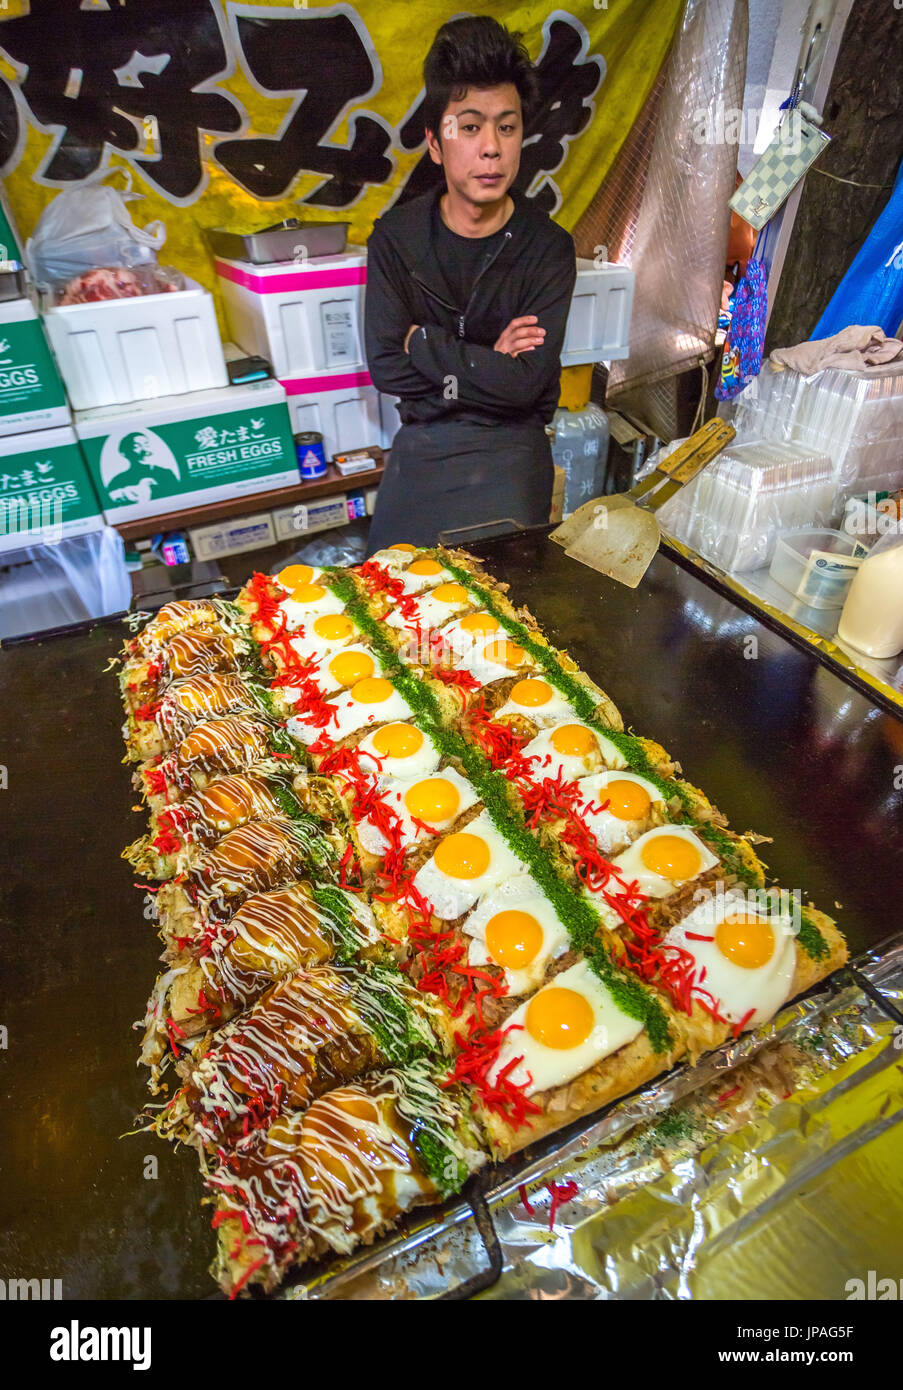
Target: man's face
[{"x": 481, "y": 139}]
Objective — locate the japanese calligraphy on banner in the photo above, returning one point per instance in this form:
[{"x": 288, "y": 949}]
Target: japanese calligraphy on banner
[{"x": 238, "y": 115}]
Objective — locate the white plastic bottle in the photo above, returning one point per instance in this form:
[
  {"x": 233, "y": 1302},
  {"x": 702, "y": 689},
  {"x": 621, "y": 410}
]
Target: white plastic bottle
[{"x": 872, "y": 617}]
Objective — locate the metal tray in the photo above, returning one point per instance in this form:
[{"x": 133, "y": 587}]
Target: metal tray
[
  {"x": 282, "y": 242},
  {"x": 779, "y": 741}
]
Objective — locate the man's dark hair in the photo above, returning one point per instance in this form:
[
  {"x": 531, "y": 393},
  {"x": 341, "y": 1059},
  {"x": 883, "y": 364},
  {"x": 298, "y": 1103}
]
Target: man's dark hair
[{"x": 475, "y": 51}]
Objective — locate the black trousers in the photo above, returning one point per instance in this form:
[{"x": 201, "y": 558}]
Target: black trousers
[{"x": 452, "y": 474}]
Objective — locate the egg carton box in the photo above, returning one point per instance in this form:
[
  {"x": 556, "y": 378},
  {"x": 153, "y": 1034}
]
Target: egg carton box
[
  {"x": 305, "y": 316},
  {"x": 152, "y": 458},
  {"x": 46, "y": 492},
  {"x": 31, "y": 391}
]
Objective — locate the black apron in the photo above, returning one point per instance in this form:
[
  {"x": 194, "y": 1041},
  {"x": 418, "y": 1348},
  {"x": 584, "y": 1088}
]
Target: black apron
[{"x": 451, "y": 474}]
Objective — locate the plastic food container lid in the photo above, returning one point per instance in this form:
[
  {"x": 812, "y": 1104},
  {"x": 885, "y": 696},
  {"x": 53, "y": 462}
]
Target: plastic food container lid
[{"x": 816, "y": 566}]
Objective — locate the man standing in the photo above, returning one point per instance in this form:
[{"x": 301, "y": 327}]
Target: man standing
[{"x": 468, "y": 292}]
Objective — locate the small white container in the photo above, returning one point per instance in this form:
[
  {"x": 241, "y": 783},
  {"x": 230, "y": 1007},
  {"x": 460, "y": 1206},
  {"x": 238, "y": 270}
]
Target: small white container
[
  {"x": 121, "y": 350},
  {"x": 343, "y": 408},
  {"x": 232, "y": 537},
  {"x": 598, "y": 326},
  {"x": 305, "y": 317},
  {"x": 816, "y": 566}
]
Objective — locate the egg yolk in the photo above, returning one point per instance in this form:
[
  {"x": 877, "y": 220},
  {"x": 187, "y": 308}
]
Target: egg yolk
[
  {"x": 462, "y": 856},
  {"x": 530, "y": 693},
  {"x": 479, "y": 622},
  {"x": 293, "y": 575},
  {"x": 350, "y": 667},
  {"x": 451, "y": 593},
  {"x": 672, "y": 857},
  {"x": 505, "y": 653},
  {"x": 424, "y": 567},
  {"x": 628, "y": 801},
  {"x": 403, "y": 545},
  {"x": 559, "y": 1018},
  {"x": 373, "y": 690},
  {"x": 747, "y": 941},
  {"x": 572, "y": 740},
  {"x": 308, "y": 593},
  {"x": 434, "y": 799},
  {"x": 513, "y": 938},
  {"x": 332, "y": 627},
  {"x": 397, "y": 741}
]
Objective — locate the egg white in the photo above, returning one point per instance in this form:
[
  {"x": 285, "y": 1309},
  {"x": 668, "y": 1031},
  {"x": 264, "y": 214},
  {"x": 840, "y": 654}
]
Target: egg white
[
  {"x": 296, "y": 614},
  {"x": 431, "y": 612},
  {"x": 484, "y": 668},
  {"x": 736, "y": 988},
  {"x": 392, "y": 790},
  {"x": 395, "y": 561},
  {"x": 419, "y": 764},
  {"x": 352, "y": 715},
  {"x": 611, "y": 834},
  {"x": 549, "y": 762},
  {"x": 556, "y": 710},
  {"x": 631, "y": 867},
  {"x": 523, "y": 894},
  {"x": 417, "y": 583},
  {"x": 543, "y": 1067},
  {"x": 309, "y": 645},
  {"x": 450, "y": 897},
  {"x": 459, "y": 641}
]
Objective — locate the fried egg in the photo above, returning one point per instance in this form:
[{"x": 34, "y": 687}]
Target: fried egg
[
  {"x": 394, "y": 558},
  {"x": 373, "y": 700},
  {"x": 573, "y": 749},
  {"x": 535, "y": 699},
  {"x": 307, "y": 601},
  {"x": 494, "y": 658},
  {"x": 748, "y": 955},
  {"x": 613, "y": 802},
  {"x": 339, "y": 670},
  {"x": 424, "y": 573},
  {"x": 324, "y": 635},
  {"x": 434, "y": 608},
  {"x": 434, "y": 801},
  {"x": 293, "y": 575},
  {"x": 516, "y": 927},
  {"x": 399, "y": 750},
  {"x": 463, "y": 634},
  {"x": 564, "y": 1029},
  {"x": 662, "y": 859},
  {"x": 464, "y": 866}
]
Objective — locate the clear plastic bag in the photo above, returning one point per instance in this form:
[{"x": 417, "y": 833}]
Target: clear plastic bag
[
  {"x": 89, "y": 227},
  {"x": 46, "y": 586}
]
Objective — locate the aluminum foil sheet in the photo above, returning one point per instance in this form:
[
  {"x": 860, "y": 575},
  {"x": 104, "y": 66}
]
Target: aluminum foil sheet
[{"x": 771, "y": 1170}]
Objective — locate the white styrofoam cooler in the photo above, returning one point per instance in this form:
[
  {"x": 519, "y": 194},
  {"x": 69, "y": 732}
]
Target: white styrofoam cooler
[
  {"x": 305, "y": 317},
  {"x": 389, "y": 420},
  {"x": 120, "y": 350},
  {"x": 598, "y": 326},
  {"x": 344, "y": 408}
]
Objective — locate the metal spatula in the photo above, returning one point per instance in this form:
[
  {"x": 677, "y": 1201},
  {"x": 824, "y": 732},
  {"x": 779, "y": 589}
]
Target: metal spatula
[{"x": 618, "y": 538}]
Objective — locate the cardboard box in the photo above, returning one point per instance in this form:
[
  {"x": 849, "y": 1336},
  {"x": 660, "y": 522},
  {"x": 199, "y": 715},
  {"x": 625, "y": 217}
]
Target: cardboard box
[
  {"x": 185, "y": 451},
  {"x": 343, "y": 408},
  {"x": 45, "y": 490},
  {"x": 306, "y": 517},
  {"x": 598, "y": 325},
  {"x": 31, "y": 391},
  {"x": 232, "y": 537}
]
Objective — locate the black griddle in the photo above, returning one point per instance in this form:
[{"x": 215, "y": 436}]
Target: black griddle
[{"x": 781, "y": 743}]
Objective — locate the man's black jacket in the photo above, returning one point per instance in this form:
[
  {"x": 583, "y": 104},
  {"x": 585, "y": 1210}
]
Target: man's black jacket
[{"x": 451, "y": 370}]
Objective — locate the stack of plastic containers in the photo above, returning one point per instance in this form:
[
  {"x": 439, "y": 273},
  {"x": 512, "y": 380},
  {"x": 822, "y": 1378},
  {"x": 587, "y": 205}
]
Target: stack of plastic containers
[
  {"x": 856, "y": 418},
  {"x": 733, "y": 513}
]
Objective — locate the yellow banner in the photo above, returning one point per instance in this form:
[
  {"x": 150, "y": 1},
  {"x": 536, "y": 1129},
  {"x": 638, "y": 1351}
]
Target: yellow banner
[{"x": 239, "y": 115}]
